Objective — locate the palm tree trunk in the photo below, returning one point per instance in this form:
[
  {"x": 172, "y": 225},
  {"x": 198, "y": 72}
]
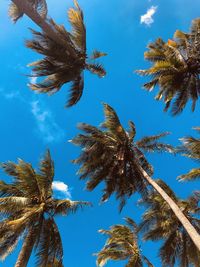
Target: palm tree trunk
[
  {"x": 27, "y": 9},
  {"x": 177, "y": 211},
  {"x": 26, "y": 250}
]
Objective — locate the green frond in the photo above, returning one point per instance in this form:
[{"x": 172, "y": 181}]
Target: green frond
[
  {"x": 24, "y": 177},
  {"x": 121, "y": 244},
  {"x": 9, "y": 190},
  {"x": 190, "y": 176}
]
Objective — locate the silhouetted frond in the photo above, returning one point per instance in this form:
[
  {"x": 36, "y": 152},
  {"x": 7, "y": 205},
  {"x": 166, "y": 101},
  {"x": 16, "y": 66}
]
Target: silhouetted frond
[{"x": 110, "y": 155}]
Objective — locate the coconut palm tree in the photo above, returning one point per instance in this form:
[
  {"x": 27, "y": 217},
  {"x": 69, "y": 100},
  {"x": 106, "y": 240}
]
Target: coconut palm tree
[
  {"x": 65, "y": 56},
  {"x": 175, "y": 68},
  {"x": 191, "y": 149},
  {"x": 16, "y": 12},
  {"x": 122, "y": 244},
  {"x": 111, "y": 155},
  {"x": 28, "y": 210},
  {"x": 160, "y": 223}
]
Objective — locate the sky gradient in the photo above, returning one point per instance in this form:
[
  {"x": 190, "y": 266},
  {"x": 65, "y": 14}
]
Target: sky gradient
[{"x": 31, "y": 123}]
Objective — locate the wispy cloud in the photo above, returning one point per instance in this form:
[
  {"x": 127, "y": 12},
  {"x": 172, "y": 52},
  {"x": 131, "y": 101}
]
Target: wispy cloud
[
  {"x": 11, "y": 95},
  {"x": 61, "y": 187},
  {"x": 148, "y": 17},
  {"x": 48, "y": 129}
]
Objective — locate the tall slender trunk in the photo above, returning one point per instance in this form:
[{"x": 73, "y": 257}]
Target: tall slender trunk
[
  {"x": 27, "y": 9},
  {"x": 26, "y": 250},
  {"x": 194, "y": 235}
]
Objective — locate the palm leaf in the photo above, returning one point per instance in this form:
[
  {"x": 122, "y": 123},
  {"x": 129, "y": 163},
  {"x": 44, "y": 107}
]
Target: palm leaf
[
  {"x": 78, "y": 34},
  {"x": 76, "y": 91}
]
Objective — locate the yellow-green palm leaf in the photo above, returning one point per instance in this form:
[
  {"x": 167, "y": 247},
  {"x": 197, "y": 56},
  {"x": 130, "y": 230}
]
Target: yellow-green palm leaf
[
  {"x": 175, "y": 69},
  {"x": 121, "y": 244},
  {"x": 27, "y": 210}
]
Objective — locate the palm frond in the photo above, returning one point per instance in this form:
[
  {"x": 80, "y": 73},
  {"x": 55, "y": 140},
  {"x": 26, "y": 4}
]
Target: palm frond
[
  {"x": 190, "y": 176},
  {"x": 97, "y": 69},
  {"x": 39, "y": 5},
  {"x": 97, "y": 54},
  {"x": 175, "y": 69},
  {"x": 78, "y": 34},
  {"x": 67, "y": 206},
  {"x": 76, "y": 91},
  {"x": 46, "y": 176}
]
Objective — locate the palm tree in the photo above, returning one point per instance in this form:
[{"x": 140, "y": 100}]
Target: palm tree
[
  {"x": 160, "y": 223},
  {"x": 175, "y": 68},
  {"x": 122, "y": 244},
  {"x": 111, "y": 155},
  {"x": 16, "y": 12},
  {"x": 65, "y": 55},
  {"x": 191, "y": 149},
  {"x": 28, "y": 210}
]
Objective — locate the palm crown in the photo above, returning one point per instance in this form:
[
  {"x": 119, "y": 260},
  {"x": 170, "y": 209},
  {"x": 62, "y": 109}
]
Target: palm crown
[
  {"x": 111, "y": 155},
  {"x": 28, "y": 210},
  {"x": 191, "y": 149},
  {"x": 160, "y": 223},
  {"x": 122, "y": 244},
  {"x": 175, "y": 68},
  {"x": 64, "y": 61}
]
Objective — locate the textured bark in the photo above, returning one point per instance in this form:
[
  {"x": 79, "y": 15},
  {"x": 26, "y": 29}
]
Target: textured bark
[
  {"x": 177, "y": 211},
  {"x": 26, "y": 250},
  {"x": 27, "y": 9}
]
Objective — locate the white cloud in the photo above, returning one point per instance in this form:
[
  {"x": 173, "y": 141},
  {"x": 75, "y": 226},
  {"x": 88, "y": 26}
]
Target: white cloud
[
  {"x": 62, "y": 187},
  {"x": 148, "y": 17},
  {"x": 49, "y": 130},
  {"x": 33, "y": 80}
]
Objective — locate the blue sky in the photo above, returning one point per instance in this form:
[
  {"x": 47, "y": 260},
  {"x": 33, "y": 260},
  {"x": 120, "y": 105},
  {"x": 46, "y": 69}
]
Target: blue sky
[{"x": 31, "y": 123}]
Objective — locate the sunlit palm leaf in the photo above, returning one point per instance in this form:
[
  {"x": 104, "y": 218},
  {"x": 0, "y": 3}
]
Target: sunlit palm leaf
[
  {"x": 27, "y": 210},
  {"x": 121, "y": 244},
  {"x": 175, "y": 69}
]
